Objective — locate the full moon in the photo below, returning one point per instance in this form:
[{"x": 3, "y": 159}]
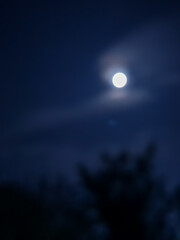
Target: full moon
[{"x": 119, "y": 80}]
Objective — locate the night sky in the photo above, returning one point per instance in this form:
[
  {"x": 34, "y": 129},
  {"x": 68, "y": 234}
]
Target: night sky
[{"x": 58, "y": 104}]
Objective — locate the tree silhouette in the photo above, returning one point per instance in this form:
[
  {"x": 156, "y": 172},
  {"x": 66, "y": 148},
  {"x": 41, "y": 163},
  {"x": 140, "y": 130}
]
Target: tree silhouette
[{"x": 128, "y": 199}]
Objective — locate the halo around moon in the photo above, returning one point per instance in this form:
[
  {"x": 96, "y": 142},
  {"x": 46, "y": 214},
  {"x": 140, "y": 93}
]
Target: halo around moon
[{"x": 119, "y": 80}]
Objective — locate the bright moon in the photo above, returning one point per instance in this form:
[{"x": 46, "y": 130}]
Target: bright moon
[{"x": 119, "y": 80}]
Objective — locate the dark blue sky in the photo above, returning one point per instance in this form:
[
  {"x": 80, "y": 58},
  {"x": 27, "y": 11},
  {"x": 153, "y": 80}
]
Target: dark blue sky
[{"x": 57, "y": 106}]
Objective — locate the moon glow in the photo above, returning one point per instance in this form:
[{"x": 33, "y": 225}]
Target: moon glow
[{"x": 119, "y": 80}]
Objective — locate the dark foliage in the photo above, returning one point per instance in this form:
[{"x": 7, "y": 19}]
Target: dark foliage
[{"x": 22, "y": 215}]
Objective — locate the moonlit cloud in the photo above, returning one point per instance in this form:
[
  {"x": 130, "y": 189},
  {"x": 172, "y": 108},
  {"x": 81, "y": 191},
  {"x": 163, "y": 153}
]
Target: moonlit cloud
[{"x": 147, "y": 56}]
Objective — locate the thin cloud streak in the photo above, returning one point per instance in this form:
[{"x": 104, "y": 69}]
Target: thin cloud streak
[{"x": 107, "y": 102}]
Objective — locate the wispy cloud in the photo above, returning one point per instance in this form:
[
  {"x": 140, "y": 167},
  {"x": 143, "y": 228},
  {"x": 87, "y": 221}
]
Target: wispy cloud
[{"x": 149, "y": 55}]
